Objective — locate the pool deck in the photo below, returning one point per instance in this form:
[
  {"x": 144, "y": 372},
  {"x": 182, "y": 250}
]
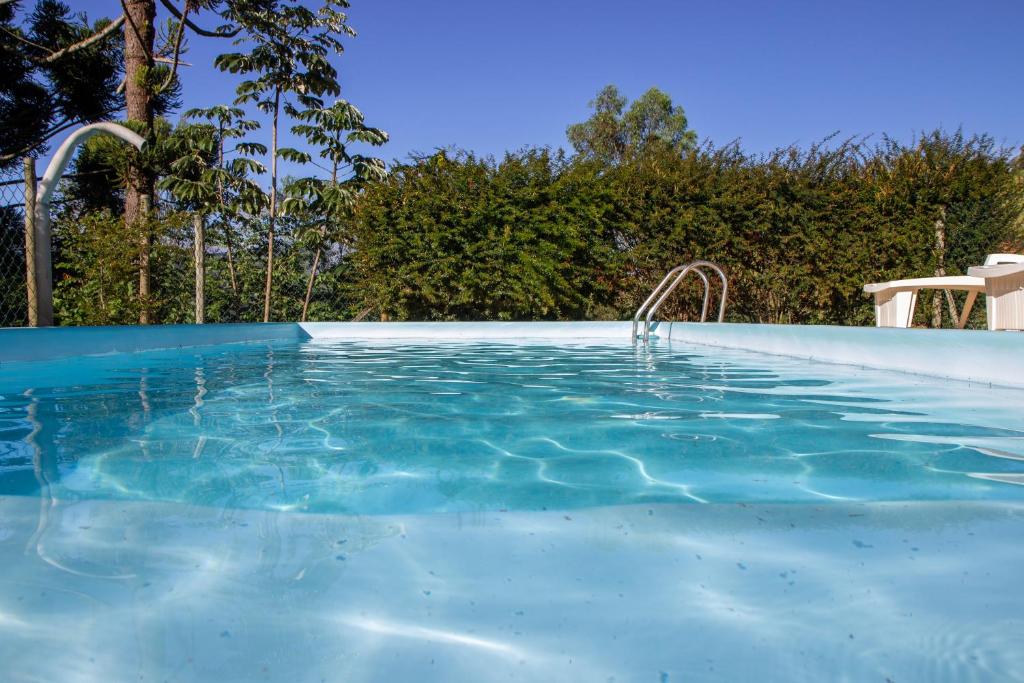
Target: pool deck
[{"x": 978, "y": 356}]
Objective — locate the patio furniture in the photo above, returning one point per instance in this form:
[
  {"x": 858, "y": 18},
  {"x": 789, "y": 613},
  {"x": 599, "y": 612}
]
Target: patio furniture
[
  {"x": 1004, "y": 291},
  {"x": 1001, "y": 279}
]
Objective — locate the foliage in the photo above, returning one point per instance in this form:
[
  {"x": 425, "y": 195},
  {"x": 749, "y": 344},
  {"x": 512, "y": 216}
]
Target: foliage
[
  {"x": 327, "y": 202},
  {"x": 534, "y": 235},
  {"x": 463, "y": 238},
  {"x": 332, "y": 130},
  {"x": 202, "y": 178},
  {"x": 289, "y": 52},
  {"x": 289, "y": 57},
  {"x": 95, "y": 274},
  {"x": 13, "y": 294},
  {"x": 62, "y": 70},
  {"x": 537, "y": 235},
  {"x": 41, "y": 96},
  {"x": 799, "y": 231},
  {"x": 614, "y": 134}
]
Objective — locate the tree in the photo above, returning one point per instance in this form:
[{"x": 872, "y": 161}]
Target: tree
[
  {"x": 146, "y": 82},
  {"x": 139, "y": 91},
  {"x": 59, "y": 71},
  {"x": 799, "y": 230},
  {"x": 288, "y": 57},
  {"x": 201, "y": 179},
  {"x": 66, "y": 73},
  {"x": 233, "y": 193},
  {"x": 614, "y": 134},
  {"x": 333, "y": 129}
]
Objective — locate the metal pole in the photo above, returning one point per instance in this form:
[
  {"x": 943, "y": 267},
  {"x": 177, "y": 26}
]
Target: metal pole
[
  {"x": 44, "y": 268},
  {"x": 61, "y": 158},
  {"x": 30, "y": 241}
]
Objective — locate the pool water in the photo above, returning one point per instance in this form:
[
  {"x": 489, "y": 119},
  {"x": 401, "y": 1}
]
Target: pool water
[
  {"x": 344, "y": 510},
  {"x": 360, "y": 428}
]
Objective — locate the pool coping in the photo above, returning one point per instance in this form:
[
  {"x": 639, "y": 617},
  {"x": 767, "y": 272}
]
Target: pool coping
[{"x": 978, "y": 356}]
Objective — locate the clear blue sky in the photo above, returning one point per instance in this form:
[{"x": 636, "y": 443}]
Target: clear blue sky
[{"x": 489, "y": 76}]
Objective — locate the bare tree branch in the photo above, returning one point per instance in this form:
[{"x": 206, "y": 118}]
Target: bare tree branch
[
  {"x": 165, "y": 60},
  {"x": 94, "y": 38},
  {"x": 177, "y": 50},
  {"x": 58, "y": 127},
  {"x": 22, "y": 39},
  {"x": 201, "y": 31},
  {"x": 52, "y": 56}
]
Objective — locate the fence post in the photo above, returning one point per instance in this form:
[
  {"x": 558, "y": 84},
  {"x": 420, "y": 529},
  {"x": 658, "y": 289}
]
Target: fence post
[{"x": 30, "y": 241}]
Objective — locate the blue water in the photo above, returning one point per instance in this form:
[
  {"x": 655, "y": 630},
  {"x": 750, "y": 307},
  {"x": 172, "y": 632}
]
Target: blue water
[
  {"x": 376, "y": 429},
  {"x": 332, "y": 511}
]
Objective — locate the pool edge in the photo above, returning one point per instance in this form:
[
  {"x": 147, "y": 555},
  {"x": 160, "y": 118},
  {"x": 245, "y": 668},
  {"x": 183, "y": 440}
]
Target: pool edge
[{"x": 976, "y": 356}]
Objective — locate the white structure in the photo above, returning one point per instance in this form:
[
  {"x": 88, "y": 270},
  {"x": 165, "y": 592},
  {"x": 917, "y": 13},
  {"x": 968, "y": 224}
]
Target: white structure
[
  {"x": 1001, "y": 279},
  {"x": 60, "y": 161},
  {"x": 1004, "y": 290}
]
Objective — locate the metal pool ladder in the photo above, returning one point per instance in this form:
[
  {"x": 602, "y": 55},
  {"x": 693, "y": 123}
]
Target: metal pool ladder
[{"x": 662, "y": 291}]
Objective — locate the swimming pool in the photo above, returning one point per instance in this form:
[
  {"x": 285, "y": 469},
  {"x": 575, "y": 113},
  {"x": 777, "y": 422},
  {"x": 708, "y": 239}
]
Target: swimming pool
[{"x": 493, "y": 504}]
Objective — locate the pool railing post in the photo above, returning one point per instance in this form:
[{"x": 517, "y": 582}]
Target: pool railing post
[{"x": 43, "y": 238}]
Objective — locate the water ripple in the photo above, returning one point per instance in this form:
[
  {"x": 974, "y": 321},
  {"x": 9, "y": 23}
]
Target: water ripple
[{"x": 335, "y": 426}]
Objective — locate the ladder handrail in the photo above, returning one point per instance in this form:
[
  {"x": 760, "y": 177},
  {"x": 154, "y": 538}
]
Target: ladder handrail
[
  {"x": 654, "y": 294},
  {"x": 725, "y": 285},
  {"x": 683, "y": 271},
  {"x": 707, "y": 293},
  {"x": 657, "y": 304}
]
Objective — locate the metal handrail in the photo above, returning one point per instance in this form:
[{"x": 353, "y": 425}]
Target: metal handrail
[
  {"x": 654, "y": 294},
  {"x": 661, "y": 285},
  {"x": 680, "y": 272}
]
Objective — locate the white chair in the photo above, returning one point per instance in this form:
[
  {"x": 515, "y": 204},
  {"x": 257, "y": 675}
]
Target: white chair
[
  {"x": 1001, "y": 278},
  {"x": 1004, "y": 290}
]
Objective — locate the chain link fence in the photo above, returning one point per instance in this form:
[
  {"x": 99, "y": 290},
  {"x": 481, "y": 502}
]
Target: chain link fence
[
  {"x": 96, "y": 268},
  {"x": 13, "y": 273}
]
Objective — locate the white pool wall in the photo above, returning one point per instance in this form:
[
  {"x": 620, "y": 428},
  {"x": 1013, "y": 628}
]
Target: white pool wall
[
  {"x": 978, "y": 356},
  {"x": 50, "y": 343},
  {"x": 469, "y": 331}
]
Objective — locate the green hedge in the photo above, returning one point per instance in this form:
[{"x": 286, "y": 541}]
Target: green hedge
[{"x": 537, "y": 235}]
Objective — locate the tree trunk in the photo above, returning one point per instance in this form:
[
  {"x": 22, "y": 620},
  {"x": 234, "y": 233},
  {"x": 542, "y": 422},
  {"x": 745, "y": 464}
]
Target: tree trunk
[
  {"x": 319, "y": 248},
  {"x": 940, "y": 271},
  {"x": 199, "y": 244},
  {"x": 226, "y": 223},
  {"x": 141, "y": 224},
  {"x": 309, "y": 285},
  {"x": 138, "y": 62},
  {"x": 30, "y": 241},
  {"x": 273, "y": 208}
]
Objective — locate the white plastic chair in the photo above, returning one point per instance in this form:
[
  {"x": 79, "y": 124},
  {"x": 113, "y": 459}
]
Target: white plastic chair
[
  {"x": 1001, "y": 279},
  {"x": 1004, "y": 290}
]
